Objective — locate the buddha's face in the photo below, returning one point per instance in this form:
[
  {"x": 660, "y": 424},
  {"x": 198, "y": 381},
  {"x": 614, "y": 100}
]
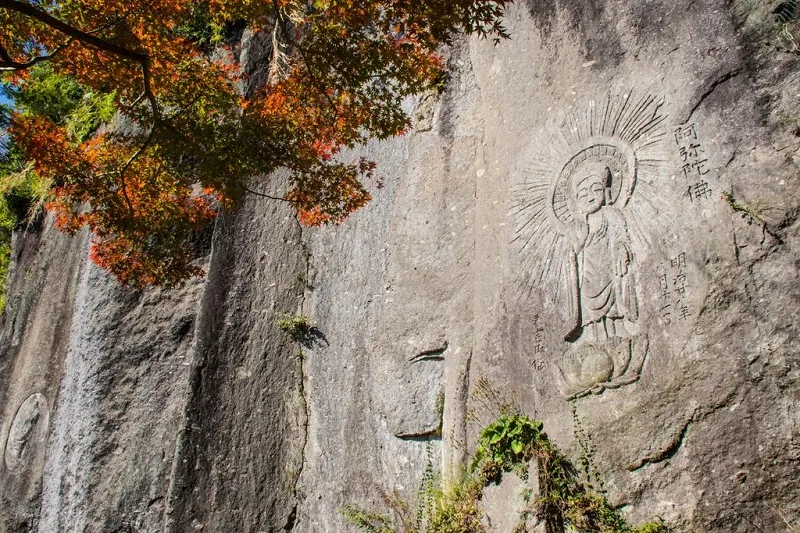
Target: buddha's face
[{"x": 590, "y": 191}]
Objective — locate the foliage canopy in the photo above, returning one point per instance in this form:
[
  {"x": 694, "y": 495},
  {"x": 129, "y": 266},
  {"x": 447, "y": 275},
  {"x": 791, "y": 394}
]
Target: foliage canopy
[{"x": 190, "y": 126}]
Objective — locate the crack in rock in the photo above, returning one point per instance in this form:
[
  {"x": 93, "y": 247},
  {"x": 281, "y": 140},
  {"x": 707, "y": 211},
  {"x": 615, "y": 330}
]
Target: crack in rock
[
  {"x": 436, "y": 354},
  {"x": 667, "y": 453},
  {"x": 716, "y": 83},
  {"x": 422, "y": 436},
  {"x": 291, "y": 519}
]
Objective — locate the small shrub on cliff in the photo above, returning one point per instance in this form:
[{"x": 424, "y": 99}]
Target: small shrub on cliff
[
  {"x": 507, "y": 444},
  {"x": 564, "y": 503},
  {"x": 297, "y": 326},
  {"x": 451, "y": 506},
  {"x": 369, "y": 521},
  {"x": 455, "y": 506}
]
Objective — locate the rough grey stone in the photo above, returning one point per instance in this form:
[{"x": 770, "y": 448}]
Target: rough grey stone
[
  {"x": 35, "y": 336},
  {"x": 240, "y": 451},
  {"x": 120, "y": 407}
]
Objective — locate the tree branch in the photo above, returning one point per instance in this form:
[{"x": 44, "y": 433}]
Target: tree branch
[
  {"x": 28, "y": 10},
  {"x": 321, "y": 87},
  {"x": 135, "y": 155},
  {"x": 87, "y": 38},
  {"x": 7, "y": 64},
  {"x": 264, "y": 195}
]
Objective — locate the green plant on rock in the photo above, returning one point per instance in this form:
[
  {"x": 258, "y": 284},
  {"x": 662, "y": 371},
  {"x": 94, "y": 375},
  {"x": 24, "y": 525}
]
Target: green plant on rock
[
  {"x": 440, "y": 413},
  {"x": 449, "y": 506},
  {"x": 565, "y": 502},
  {"x": 788, "y": 40},
  {"x": 654, "y": 526},
  {"x": 507, "y": 444},
  {"x": 297, "y": 326},
  {"x": 511, "y": 442},
  {"x": 369, "y": 521},
  {"x": 455, "y": 506}
]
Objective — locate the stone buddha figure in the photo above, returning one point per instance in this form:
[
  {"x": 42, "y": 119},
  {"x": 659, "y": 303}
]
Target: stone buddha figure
[
  {"x": 584, "y": 221},
  {"x": 604, "y": 348},
  {"x": 602, "y": 285}
]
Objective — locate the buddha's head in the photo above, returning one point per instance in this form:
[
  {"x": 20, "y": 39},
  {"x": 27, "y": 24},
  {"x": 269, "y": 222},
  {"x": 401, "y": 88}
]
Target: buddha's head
[{"x": 592, "y": 187}]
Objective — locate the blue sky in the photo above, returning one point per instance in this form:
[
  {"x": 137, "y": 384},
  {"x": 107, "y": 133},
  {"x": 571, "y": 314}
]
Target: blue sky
[{"x": 3, "y": 100}]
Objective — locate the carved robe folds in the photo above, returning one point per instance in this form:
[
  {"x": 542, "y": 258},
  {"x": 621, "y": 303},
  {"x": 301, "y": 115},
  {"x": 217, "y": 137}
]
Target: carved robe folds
[
  {"x": 602, "y": 280},
  {"x": 605, "y": 351}
]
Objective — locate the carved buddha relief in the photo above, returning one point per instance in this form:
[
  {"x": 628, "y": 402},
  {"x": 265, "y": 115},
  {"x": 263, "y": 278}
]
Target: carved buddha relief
[{"x": 578, "y": 234}]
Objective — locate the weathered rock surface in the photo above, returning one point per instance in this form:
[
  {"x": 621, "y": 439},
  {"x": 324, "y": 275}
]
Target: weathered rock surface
[
  {"x": 599, "y": 217},
  {"x": 35, "y": 337},
  {"x": 241, "y": 450}
]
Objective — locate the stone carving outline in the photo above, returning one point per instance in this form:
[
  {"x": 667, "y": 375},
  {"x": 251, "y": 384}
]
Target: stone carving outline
[
  {"x": 578, "y": 234},
  {"x": 27, "y": 429}
]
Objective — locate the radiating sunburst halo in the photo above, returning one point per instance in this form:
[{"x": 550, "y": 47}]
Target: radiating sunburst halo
[{"x": 625, "y": 133}]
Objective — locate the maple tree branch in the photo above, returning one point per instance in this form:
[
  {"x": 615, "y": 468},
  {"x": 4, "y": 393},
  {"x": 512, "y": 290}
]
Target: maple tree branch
[
  {"x": 264, "y": 195},
  {"x": 135, "y": 155},
  {"x": 321, "y": 87},
  {"x": 4, "y": 55},
  {"x": 166, "y": 123},
  {"x": 7, "y": 64},
  {"x": 28, "y": 10},
  {"x": 126, "y": 166},
  {"x": 88, "y": 38},
  {"x": 148, "y": 90},
  {"x": 113, "y": 23}
]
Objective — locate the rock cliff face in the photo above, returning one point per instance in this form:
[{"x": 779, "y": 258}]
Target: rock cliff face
[{"x": 598, "y": 217}]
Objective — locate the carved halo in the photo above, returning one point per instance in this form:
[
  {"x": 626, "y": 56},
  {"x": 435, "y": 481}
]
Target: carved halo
[{"x": 617, "y": 155}]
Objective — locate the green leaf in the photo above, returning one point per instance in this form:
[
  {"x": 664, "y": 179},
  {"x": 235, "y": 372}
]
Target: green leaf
[{"x": 517, "y": 447}]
